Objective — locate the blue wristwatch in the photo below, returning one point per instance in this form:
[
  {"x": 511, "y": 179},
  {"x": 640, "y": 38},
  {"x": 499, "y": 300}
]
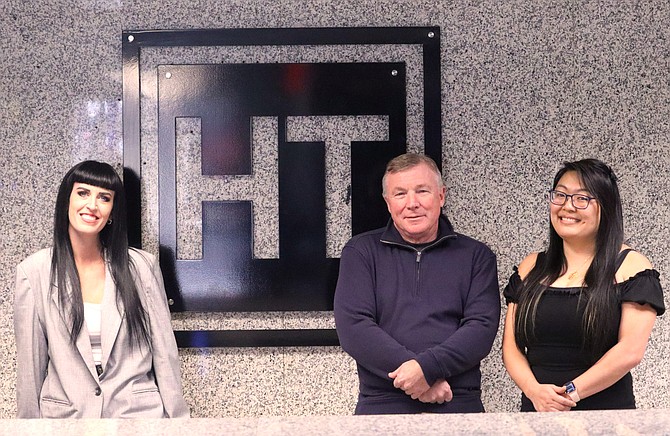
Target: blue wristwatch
[{"x": 571, "y": 390}]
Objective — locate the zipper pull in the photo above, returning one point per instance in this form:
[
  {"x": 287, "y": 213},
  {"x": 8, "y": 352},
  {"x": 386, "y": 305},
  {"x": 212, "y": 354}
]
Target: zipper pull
[{"x": 418, "y": 256}]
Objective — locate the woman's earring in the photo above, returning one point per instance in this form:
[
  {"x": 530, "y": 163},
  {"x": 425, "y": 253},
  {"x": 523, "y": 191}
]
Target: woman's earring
[{"x": 109, "y": 222}]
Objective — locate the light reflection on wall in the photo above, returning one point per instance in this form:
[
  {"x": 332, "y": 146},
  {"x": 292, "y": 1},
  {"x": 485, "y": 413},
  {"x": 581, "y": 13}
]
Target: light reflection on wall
[{"x": 95, "y": 131}]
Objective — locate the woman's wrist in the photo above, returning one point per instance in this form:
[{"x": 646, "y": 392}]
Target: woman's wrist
[
  {"x": 571, "y": 391},
  {"x": 529, "y": 386}
]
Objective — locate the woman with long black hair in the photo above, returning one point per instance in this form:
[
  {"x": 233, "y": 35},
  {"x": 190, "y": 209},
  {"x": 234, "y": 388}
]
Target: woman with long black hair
[
  {"x": 91, "y": 320},
  {"x": 580, "y": 314}
]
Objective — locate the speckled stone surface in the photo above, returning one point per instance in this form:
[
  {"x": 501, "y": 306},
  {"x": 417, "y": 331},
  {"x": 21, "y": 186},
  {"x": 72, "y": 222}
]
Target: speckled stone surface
[
  {"x": 525, "y": 85},
  {"x": 628, "y": 422}
]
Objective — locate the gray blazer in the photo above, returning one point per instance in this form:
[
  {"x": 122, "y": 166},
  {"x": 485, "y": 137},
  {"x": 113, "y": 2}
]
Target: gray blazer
[{"x": 58, "y": 379}]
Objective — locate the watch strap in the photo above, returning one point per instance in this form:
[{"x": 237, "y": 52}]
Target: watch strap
[{"x": 571, "y": 390}]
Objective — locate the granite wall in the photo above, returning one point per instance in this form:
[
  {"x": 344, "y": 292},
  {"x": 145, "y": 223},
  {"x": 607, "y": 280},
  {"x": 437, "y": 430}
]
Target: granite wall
[{"x": 525, "y": 86}]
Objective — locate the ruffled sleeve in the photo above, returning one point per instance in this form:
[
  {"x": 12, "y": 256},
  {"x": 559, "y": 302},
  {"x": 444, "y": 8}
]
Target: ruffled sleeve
[
  {"x": 644, "y": 288},
  {"x": 513, "y": 288}
]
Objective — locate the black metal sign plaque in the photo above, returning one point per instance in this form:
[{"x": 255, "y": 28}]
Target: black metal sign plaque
[{"x": 225, "y": 99}]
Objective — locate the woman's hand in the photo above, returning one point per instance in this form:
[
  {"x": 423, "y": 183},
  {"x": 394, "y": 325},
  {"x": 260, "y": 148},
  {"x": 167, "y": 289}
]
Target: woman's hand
[{"x": 550, "y": 398}]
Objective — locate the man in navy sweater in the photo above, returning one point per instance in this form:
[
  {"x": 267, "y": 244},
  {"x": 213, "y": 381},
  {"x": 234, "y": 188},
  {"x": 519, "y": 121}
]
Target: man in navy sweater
[{"x": 417, "y": 305}]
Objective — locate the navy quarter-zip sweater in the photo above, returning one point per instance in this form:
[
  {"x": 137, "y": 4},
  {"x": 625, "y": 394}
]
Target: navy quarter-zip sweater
[{"x": 439, "y": 305}]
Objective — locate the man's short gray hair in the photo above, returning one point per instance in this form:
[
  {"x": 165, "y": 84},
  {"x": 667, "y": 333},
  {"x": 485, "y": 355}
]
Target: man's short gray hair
[{"x": 407, "y": 161}]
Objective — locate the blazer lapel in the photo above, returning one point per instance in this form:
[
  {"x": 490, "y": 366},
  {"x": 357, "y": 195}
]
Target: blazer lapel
[
  {"x": 84, "y": 346},
  {"x": 111, "y": 318},
  {"x": 83, "y": 342}
]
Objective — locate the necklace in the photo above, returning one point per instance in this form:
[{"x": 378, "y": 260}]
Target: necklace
[
  {"x": 572, "y": 276},
  {"x": 574, "y": 273}
]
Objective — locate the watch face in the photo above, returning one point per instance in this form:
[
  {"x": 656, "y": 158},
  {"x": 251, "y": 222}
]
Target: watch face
[{"x": 569, "y": 387}]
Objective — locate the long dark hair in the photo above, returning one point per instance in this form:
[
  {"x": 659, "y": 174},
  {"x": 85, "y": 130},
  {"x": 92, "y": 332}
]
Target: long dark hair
[
  {"x": 114, "y": 240},
  {"x": 598, "y": 292}
]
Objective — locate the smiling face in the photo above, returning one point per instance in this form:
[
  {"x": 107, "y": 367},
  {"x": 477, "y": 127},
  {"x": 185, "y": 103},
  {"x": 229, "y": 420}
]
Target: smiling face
[
  {"x": 571, "y": 224},
  {"x": 89, "y": 210},
  {"x": 414, "y": 198}
]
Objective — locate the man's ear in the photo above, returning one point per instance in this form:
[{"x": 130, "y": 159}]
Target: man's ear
[{"x": 388, "y": 206}]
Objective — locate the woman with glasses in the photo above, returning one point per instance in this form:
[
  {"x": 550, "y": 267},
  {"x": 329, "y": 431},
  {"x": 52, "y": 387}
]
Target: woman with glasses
[{"x": 580, "y": 313}]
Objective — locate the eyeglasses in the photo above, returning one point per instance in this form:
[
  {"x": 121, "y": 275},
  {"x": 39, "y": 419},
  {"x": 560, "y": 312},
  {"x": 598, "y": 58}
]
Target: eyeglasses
[{"x": 579, "y": 201}]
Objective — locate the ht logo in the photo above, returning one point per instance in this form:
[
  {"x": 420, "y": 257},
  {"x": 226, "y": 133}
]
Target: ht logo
[{"x": 265, "y": 171}]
